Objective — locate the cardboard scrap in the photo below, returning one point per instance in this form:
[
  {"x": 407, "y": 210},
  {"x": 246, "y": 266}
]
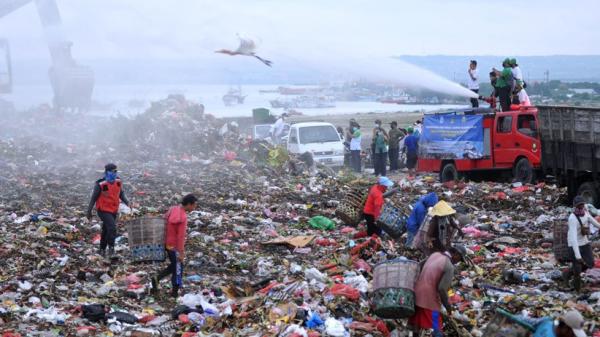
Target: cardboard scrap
[{"x": 293, "y": 241}]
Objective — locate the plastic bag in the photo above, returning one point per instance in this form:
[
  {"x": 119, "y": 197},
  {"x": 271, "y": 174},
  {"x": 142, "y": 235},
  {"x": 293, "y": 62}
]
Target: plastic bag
[
  {"x": 314, "y": 321},
  {"x": 94, "y": 312},
  {"x": 123, "y": 317},
  {"x": 334, "y": 328},
  {"x": 359, "y": 282},
  {"x": 321, "y": 222},
  {"x": 346, "y": 291}
]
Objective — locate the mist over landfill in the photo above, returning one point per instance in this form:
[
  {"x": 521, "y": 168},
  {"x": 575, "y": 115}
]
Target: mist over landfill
[{"x": 270, "y": 168}]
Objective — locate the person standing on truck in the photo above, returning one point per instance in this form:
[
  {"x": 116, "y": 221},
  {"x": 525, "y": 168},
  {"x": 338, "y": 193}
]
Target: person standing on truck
[
  {"x": 356, "y": 148},
  {"x": 380, "y": 149},
  {"x": 431, "y": 289},
  {"x": 473, "y": 82},
  {"x": 277, "y": 129},
  {"x": 581, "y": 253},
  {"x": 394, "y": 151},
  {"x": 418, "y": 214},
  {"x": 175, "y": 234},
  {"x": 504, "y": 84},
  {"x": 107, "y": 195},
  {"x": 411, "y": 148},
  {"x": 374, "y": 203}
]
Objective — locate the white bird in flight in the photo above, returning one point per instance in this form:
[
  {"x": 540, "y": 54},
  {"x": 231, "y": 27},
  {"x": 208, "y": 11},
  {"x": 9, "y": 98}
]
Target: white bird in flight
[{"x": 246, "y": 48}]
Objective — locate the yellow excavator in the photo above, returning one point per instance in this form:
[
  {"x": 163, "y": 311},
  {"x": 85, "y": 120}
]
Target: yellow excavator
[{"x": 72, "y": 83}]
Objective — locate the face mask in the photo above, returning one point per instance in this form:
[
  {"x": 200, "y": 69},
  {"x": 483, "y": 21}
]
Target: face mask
[{"x": 110, "y": 176}]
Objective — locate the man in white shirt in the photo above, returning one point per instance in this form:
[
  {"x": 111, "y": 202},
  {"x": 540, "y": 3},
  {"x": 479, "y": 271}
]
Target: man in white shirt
[
  {"x": 277, "y": 128},
  {"x": 473, "y": 82},
  {"x": 519, "y": 94},
  {"x": 582, "y": 256}
]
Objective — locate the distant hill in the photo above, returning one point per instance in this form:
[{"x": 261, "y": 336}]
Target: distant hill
[
  {"x": 560, "y": 67},
  {"x": 242, "y": 71}
]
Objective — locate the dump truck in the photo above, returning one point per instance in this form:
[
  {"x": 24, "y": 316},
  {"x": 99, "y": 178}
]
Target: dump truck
[{"x": 528, "y": 143}]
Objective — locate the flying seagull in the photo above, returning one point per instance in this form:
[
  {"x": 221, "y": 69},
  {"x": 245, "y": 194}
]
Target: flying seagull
[{"x": 246, "y": 48}]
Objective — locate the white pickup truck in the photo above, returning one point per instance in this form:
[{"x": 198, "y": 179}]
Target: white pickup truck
[{"x": 320, "y": 139}]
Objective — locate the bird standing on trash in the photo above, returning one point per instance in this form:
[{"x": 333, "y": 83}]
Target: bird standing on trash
[
  {"x": 107, "y": 194},
  {"x": 247, "y": 48}
]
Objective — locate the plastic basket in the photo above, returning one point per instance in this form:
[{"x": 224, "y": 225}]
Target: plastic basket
[{"x": 392, "y": 220}]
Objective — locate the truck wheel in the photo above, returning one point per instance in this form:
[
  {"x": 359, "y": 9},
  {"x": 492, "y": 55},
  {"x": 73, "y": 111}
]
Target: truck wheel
[
  {"x": 448, "y": 173},
  {"x": 588, "y": 192},
  {"x": 523, "y": 172}
]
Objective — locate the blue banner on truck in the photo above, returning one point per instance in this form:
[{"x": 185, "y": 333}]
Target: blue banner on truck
[{"x": 450, "y": 136}]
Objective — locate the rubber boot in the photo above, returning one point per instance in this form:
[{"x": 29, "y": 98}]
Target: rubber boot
[
  {"x": 111, "y": 252},
  {"x": 154, "y": 289},
  {"x": 175, "y": 292}
]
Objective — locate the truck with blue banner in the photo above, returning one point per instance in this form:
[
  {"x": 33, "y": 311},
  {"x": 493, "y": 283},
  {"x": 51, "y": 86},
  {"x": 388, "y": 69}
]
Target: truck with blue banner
[{"x": 528, "y": 142}]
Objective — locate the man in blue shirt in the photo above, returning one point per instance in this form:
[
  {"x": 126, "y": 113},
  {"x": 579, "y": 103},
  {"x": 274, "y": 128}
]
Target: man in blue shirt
[
  {"x": 411, "y": 146},
  {"x": 418, "y": 215}
]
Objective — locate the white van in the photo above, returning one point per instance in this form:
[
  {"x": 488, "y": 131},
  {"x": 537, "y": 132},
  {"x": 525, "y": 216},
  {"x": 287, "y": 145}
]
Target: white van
[{"x": 321, "y": 139}]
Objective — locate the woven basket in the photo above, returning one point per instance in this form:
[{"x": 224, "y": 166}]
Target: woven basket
[
  {"x": 350, "y": 209},
  {"x": 396, "y": 274},
  {"x": 146, "y": 238},
  {"x": 393, "y": 288},
  {"x": 560, "y": 246}
]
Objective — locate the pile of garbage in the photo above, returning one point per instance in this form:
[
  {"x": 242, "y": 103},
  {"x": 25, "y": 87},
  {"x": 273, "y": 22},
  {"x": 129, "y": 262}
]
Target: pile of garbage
[{"x": 266, "y": 254}]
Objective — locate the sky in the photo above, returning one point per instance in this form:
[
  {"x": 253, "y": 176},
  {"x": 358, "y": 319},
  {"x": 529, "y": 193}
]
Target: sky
[{"x": 158, "y": 29}]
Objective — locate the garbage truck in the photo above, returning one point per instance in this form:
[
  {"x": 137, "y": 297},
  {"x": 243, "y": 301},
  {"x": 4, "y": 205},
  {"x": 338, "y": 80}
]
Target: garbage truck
[{"x": 527, "y": 143}]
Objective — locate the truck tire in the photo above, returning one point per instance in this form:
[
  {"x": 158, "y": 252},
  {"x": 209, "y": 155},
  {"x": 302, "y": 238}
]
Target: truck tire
[
  {"x": 588, "y": 191},
  {"x": 523, "y": 172},
  {"x": 448, "y": 173}
]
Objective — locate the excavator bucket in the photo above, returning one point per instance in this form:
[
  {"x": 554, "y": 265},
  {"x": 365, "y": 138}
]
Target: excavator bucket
[{"x": 73, "y": 86}]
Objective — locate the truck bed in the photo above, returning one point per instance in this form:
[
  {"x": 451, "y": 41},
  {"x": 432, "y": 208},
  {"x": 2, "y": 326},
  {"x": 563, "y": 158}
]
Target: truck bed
[{"x": 570, "y": 138}]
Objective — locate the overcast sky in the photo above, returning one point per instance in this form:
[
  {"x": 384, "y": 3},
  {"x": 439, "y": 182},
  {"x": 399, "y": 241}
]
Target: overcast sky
[{"x": 193, "y": 28}]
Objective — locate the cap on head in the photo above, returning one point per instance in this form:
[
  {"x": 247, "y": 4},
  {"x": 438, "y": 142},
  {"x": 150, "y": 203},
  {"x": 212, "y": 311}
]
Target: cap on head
[
  {"x": 506, "y": 61},
  {"x": 578, "y": 200},
  {"x": 394, "y": 123},
  {"x": 110, "y": 167},
  {"x": 513, "y": 61},
  {"x": 385, "y": 181},
  {"x": 410, "y": 129},
  {"x": 377, "y": 121},
  {"x": 574, "y": 320}
]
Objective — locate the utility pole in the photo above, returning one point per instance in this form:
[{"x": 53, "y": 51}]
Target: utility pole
[{"x": 547, "y": 75}]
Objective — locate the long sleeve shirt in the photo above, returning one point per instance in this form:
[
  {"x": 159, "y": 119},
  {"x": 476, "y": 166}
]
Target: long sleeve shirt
[
  {"x": 176, "y": 229},
  {"x": 575, "y": 238},
  {"x": 96, "y": 194}
]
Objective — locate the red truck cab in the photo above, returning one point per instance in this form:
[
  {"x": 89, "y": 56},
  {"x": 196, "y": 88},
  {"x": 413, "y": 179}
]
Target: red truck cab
[{"x": 511, "y": 141}]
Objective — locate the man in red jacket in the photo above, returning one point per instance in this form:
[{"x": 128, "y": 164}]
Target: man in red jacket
[
  {"x": 175, "y": 234},
  {"x": 374, "y": 203},
  {"x": 107, "y": 195}
]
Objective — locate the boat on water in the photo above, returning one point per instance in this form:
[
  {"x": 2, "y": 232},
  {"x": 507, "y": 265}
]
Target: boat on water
[
  {"x": 234, "y": 97},
  {"x": 304, "y": 102},
  {"x": 299, "y": 90}
]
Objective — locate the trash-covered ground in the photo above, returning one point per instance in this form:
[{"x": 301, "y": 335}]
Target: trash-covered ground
[{"x": 258, "y": 261}]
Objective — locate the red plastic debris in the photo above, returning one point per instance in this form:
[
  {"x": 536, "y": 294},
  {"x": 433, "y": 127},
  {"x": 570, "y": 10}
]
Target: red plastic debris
[{"x": 345, "y": 291}]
